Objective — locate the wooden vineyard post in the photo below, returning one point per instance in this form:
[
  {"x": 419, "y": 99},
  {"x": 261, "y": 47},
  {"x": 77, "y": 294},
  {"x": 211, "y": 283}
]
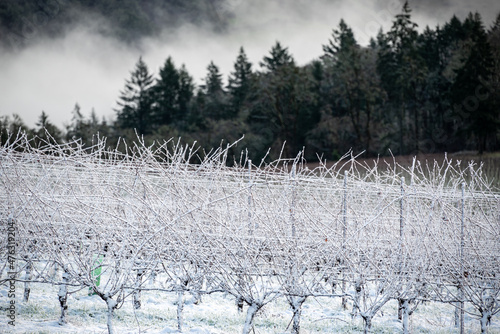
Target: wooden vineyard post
[
  {"x": 292, "y": 205},
  {"x": 250, "y": 226},
  {"x": 462, "y": 245},
  {"x": 401, "y": 214},
  {"x": 344, "y": 237}
]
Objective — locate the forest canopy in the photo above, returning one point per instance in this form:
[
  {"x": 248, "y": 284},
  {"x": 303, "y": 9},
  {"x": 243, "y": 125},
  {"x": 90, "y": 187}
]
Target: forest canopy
[{"x": 410, "y": 90}]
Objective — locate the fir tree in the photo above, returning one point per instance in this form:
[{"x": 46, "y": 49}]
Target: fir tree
[
  {"x": 472, "y": 77},
  {"x": 213, "y": 96},
  {"x": 166, "y": 94},
  {"x": 77, "y": 127},
  {"x": 283, "y": 105},
  {"x": 343, "y": 41},
  {"x": 352, "y": 82},
  {"x": 279, "y": 57},
  {"x": 186, "y": 92},
  {"x": 9, "y": 129},
  {"x": 213, "y": 80},
  {"x": 403, "y": 71},
  {"x": 239, "y": 82},
  {"x": 46, "y": 132},
  {"x": 136, "y": 101}
]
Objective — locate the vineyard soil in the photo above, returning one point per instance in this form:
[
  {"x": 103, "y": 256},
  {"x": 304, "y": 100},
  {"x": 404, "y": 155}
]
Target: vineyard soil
[{"x": 217, "y": 313}]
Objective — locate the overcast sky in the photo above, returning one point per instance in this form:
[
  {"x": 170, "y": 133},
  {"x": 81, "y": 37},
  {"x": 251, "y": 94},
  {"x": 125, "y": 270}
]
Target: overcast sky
[{"x": 88, "y": 69}]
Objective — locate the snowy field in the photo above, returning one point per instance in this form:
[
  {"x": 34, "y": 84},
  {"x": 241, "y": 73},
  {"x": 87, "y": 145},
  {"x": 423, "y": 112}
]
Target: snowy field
[{"x": 217, "y": 313}]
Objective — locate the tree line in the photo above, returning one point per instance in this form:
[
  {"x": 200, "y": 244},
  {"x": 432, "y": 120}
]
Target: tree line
[{"x": 407, "y": 91}]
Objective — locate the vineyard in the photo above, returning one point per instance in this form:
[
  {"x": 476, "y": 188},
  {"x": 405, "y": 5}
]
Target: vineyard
[{"x": 170, "y": 218}]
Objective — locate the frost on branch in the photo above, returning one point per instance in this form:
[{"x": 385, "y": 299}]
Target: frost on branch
[{"x": 368, "y": 234}]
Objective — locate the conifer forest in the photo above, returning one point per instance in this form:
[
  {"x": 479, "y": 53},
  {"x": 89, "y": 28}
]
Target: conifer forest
[
  {"x": 327, "y": 196},
  {"x": 411, "y": 90}
]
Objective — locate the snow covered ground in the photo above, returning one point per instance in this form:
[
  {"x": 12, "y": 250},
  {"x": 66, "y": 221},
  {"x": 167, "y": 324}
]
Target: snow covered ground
[{"x": 217, "y": 314}]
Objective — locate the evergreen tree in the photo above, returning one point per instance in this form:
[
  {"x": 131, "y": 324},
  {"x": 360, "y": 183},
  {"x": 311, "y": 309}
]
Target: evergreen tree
[
  {"x": 452, "y": 40},
  {"x": 453, "y": 32},
  {"x": 282, "y": 106},
  {"x": 94, "y": 125},
  {"x": 213, "y": 80},
  {"x": 77, "y": 128},
  {"x": 494, "y": 41},
  {"x": 279, "y": 57},
  {"x": 239, "y": 82},
  {"x": 481, "y": 117},
  {"x": 352, "y": 83},
  {"x": 403, "y": 32},
  {"x": 403, "y": 71},
  {"x": 166, "y": 94},
  {"x": 213, "y": 96},
  {"x": 434, "y": 54},
  {"x": 343, "y": 41},
  {"x": 46, "y": 132},
  {"x": 85, "y": 129},
  {"x": 186, "y": 92},
  {"x": 9, "y": 129},
  {"x": 136, "y": 101},
  {"x": 494, "y": 82}
]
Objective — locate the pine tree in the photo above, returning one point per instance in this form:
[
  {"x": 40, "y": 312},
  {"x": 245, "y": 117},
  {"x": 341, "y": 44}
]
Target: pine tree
[
  {"x": 136, "y": 101},
  {"x": 494, "y": 82},
  {"x": 403, "y": 71},
  {"x": 9, "y": 129},
  {"x": 283, "y": 103},
  {"x": 386, "y": 64},
  {"x": 434, "y": 52},
  {"x": 166, "y": 94},
  {"x": 352, "y": 83},
  {"x": 213, "y": 96},
  {"x": 77, "y": 128},
  {"x": 453, "y": 31},
  {"x": 279, "y": 57},
  {"x": 481, "y": 117},
  {"x": 403, "y": 32},
  {"x": 239, "y": 82},
  {"x": 85, "y": 128},
  {"x": 186, "y": 92},
  {"x": 343, "y": 41},
  {"x": 213, "y": 80},
  {"x": 46, "y": 131}
]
